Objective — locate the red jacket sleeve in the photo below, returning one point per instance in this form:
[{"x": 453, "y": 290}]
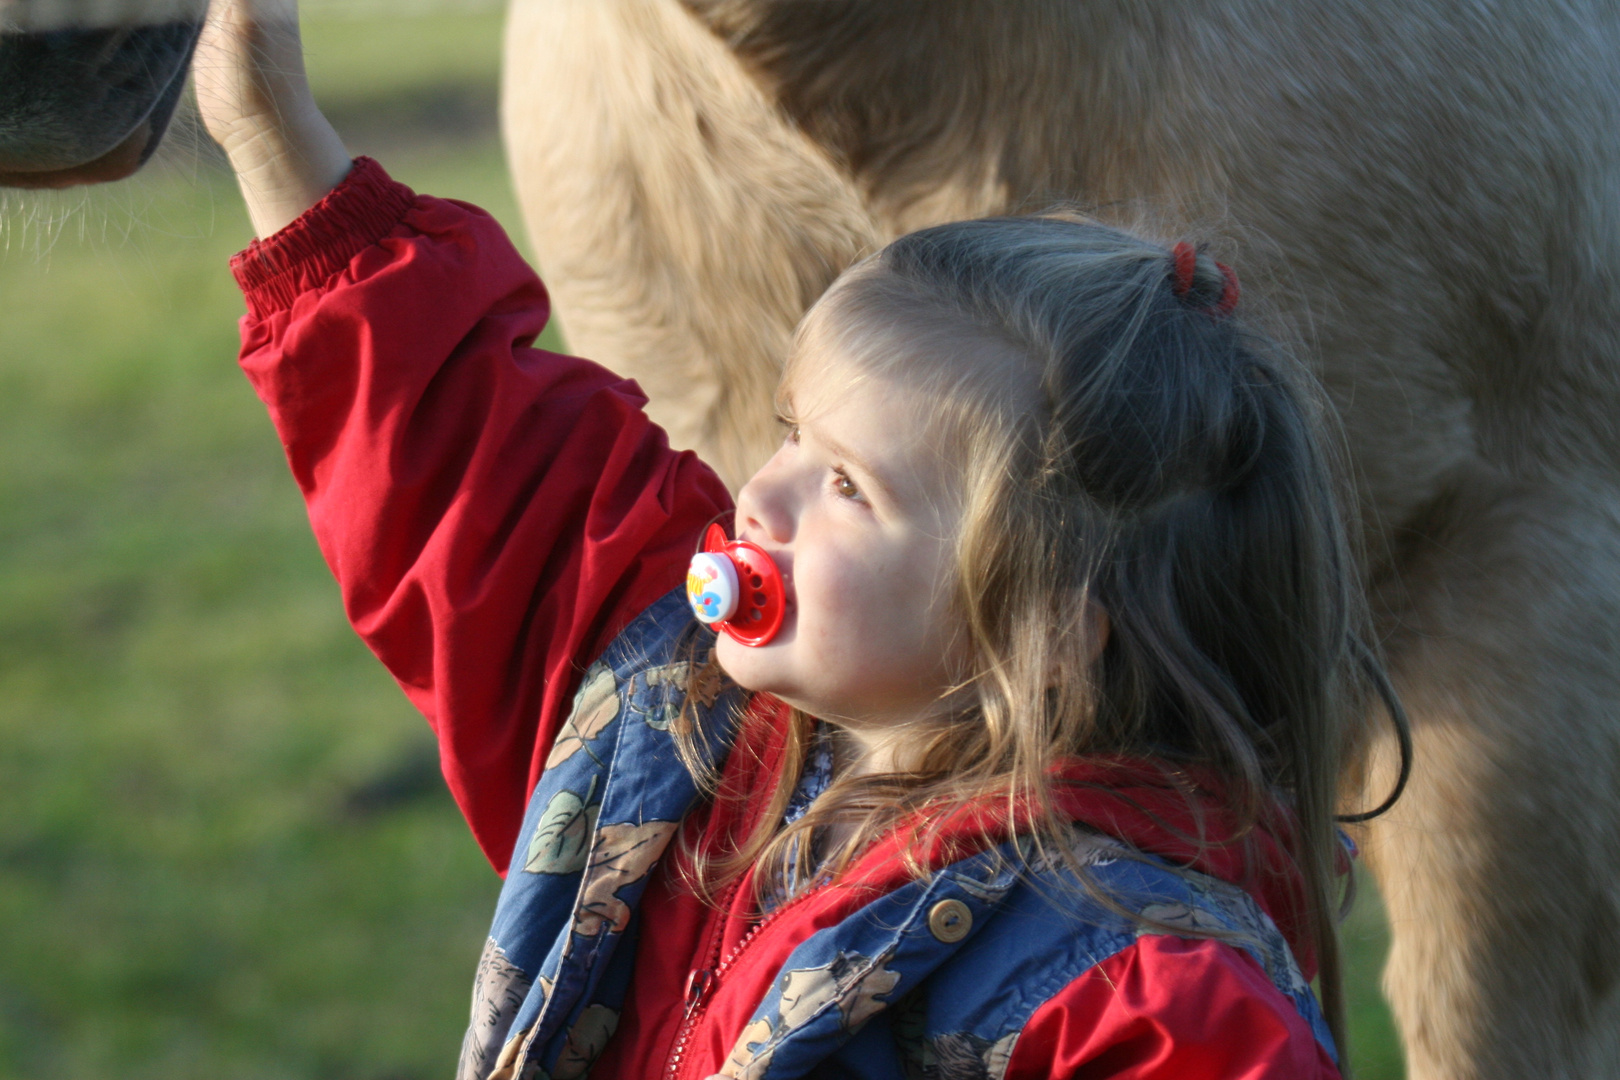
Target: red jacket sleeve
[
  {"x": 1167, "y": 1008},
  {"x": 494, "y": 514}
]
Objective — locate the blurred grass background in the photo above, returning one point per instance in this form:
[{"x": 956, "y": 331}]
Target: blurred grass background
[{"x": 224, "y": 846}]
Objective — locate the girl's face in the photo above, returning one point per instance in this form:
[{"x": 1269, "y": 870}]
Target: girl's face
[{"x": 857, "y": 511}]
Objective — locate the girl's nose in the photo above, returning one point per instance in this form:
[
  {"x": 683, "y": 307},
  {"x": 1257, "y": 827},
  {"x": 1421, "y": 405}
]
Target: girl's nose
[{"x": 764, "y": 512}]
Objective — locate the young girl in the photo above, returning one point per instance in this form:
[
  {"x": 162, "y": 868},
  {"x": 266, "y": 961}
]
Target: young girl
[{"x": 1036, "y": 778}]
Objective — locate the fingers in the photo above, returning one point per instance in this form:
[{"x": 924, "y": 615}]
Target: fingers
[
  {"x": 249, "y": 70},
  {"x": 256, "y": 103}
]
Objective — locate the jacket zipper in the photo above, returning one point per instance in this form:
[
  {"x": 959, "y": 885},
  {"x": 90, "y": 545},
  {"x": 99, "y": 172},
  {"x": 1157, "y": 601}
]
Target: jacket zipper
[{"x": 700, "y": 984}]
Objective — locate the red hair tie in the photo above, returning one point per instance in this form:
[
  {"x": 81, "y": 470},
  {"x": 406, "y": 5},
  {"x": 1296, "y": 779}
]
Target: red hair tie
[
  {"x": 1229, "y": 292},
  {"x": 1184, "y": 259}
]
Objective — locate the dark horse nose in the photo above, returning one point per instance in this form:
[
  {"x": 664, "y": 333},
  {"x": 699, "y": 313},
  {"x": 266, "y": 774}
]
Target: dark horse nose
[{"x": 84, "y": 105}]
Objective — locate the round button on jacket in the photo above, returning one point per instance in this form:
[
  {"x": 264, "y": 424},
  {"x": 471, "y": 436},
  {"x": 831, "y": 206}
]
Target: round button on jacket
[{"x": 950, "y": 921}]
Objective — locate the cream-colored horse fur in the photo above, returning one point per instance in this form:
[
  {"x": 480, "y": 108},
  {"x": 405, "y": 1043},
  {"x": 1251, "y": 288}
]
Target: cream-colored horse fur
[{"x": 1424, "y": 195}]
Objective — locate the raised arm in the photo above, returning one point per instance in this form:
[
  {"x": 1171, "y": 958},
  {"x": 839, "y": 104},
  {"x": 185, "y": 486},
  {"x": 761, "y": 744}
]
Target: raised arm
[{"x": 493, "y": 513}]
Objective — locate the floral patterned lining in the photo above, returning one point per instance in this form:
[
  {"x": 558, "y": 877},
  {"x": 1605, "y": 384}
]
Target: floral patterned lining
[{"x": 813, "y": 780}]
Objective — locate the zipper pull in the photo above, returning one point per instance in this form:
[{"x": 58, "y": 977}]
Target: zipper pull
[{"x": 698, "y": 985}]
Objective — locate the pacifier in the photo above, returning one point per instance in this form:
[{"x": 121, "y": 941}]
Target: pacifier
[{"x": 734, "y": 585}]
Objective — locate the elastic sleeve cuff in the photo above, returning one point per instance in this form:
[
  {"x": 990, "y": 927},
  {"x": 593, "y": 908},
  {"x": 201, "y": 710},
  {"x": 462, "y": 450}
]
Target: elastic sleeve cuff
[{"x": 361, "y": 210}]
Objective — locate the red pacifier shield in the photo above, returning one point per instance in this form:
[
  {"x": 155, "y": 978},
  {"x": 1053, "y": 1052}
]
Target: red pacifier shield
[{"x": 735, "y": 586}]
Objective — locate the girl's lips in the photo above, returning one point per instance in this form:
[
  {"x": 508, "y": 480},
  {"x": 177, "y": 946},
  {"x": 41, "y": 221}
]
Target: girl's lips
[
  {"x": 789, "y": 597},
  {"x": 785, "y": 568}
]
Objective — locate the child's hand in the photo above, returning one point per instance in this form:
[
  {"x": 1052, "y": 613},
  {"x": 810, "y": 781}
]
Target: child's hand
[{"x": 255, "y": 102}]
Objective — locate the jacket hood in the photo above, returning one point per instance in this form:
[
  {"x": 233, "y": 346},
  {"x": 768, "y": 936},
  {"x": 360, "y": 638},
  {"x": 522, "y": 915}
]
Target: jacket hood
[
  {"x": 1150, "y": 805},
  {"x": 1182, "y": 817}
]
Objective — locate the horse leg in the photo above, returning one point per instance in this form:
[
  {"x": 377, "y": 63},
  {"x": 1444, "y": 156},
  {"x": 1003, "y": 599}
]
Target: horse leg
[{"x": 1501, "y": 865}]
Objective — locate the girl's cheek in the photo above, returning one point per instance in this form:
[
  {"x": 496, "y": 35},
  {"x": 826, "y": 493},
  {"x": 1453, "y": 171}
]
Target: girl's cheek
[{"x": 846, "y": 595}]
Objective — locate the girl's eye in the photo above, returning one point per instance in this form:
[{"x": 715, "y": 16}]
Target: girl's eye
[
  {"x": 845, "y": 486},
  {"x": 792, "y": 431}
]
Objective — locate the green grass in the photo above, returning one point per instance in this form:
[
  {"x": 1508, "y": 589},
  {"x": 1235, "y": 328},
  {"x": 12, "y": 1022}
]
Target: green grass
[
  {"x": 186, "y": 889},
  {"x": 183, "y": 709},
  {"x": 1375, "y": 1051}
]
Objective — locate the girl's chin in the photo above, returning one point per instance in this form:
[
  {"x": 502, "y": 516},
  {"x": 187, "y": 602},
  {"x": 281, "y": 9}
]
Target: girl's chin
[
  {"x": 741, "y": 662},
  {"x": 756, "y": 668}
]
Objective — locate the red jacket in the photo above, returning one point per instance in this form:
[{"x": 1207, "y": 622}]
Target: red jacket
[{"x": 496, "y": 517}]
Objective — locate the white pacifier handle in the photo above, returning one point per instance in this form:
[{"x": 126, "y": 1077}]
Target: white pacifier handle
[{"x": 712, "y": 587}]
